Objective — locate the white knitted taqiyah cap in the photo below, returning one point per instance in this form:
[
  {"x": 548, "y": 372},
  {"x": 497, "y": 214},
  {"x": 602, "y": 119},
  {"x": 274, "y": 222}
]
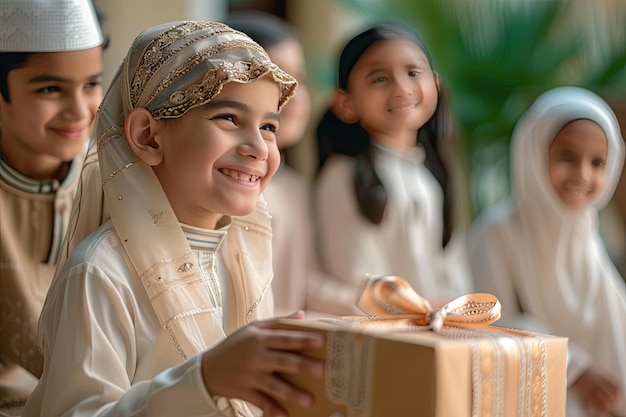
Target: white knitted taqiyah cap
[{"x": 48, "y": 26}]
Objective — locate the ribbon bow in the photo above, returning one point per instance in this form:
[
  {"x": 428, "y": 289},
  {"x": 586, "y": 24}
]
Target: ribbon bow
[{"x": 391, "y": 297}]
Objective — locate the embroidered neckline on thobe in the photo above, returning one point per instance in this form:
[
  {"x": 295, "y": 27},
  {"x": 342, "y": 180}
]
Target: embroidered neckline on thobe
[
  {"x": 19, "y": 181},
  {"x": 32, "y": 185},
  {"x": 205, "y": 244}
]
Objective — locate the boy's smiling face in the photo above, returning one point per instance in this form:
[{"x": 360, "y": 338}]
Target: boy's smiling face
[
  {"x": 52, "y": 105},
  {"x": 218, "y": 158},
  {"x": 577, "y": 163}
]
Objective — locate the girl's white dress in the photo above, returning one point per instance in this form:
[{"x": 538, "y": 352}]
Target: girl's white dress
[
  {"x": 546, "y": 264},
  {"x": 299, "y": 282},
  {"x": 406, "y": 243}
]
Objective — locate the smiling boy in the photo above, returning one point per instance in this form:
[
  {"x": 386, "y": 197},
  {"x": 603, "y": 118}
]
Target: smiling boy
[
  {"x": 165, "y": 308},
  {"x": 50, "y": 89}
]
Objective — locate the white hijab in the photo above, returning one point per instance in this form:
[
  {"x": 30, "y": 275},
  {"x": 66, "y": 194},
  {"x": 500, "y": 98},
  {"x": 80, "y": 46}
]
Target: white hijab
[
  {"x": 169, "y": 69},
  {"x": 569, "y": 284}
]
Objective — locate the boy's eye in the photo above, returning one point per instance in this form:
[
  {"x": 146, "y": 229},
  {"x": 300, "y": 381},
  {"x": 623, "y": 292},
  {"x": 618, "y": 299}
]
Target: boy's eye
[
  {"x": 93, "y": 84},
  {"x": 49, "y": 89},
  {"x": 227, "y": 117},
  {"x": 270, "y": 128},
  {"x": 598, "y": 163},
  {"x": 413, "y": 73},
  {"x": 378, "y": 80}
]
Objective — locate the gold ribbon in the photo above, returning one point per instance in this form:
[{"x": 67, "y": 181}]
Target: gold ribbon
[{"x": 391, "y": 297}]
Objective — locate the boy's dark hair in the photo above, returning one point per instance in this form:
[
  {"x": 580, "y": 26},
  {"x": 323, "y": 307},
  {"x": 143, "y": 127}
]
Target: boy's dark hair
[
  {"x": 14, "y": 60},
  {"x": 10, "y": 61},
  {"x": 370, "y": 192}
]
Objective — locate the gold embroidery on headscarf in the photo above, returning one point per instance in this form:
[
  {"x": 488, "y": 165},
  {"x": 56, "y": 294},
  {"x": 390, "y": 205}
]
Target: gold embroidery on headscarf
[
  {"x": 159, "y": 51},
  {"x": 182, "y": 315},
  {"x": 156, "y": 216},
  {"x": 185, "y": 267},
  {"x": 211, "y": 85},
  {"x": 163, "y": 262},
  {"x": 160, "y": 284},
  {"x": 255, "y": 228},
  {"x": 117, "y": 171},
  {"x": 194, "y": 94},
  {"x": 259, "y": 300},
  {"x": 179, "y": 349},
  {"x": 204, "y": 54},
  {"x": 115, "y": 132}
]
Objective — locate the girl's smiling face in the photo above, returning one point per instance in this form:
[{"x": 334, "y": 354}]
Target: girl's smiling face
[
  {"x": 393, "y": 91},
  {"x": 218, "y": 158},
  {"x": 576, "y": 163}
]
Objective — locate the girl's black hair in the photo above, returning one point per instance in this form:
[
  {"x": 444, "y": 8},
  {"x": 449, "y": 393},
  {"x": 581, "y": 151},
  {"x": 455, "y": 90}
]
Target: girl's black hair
[
  {"x": 361, "y": 42},
  {"x": 335, "y": 136}
]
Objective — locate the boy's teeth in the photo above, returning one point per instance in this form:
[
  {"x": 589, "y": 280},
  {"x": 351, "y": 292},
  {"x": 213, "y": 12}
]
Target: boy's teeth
[{"x": 240, "y": 176}]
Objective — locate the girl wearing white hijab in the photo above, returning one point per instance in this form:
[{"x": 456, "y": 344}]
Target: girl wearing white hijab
[
  {"x": 136, "y": 320},
  {"x": 541, "y": 253}
]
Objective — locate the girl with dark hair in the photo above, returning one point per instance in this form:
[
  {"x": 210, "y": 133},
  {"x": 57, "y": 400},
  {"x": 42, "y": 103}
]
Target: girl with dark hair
[{"x": 383, "y": 194}]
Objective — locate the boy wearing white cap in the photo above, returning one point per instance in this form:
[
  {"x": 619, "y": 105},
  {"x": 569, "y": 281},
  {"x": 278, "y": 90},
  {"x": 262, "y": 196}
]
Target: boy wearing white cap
[{"x": 50, "y": 89}]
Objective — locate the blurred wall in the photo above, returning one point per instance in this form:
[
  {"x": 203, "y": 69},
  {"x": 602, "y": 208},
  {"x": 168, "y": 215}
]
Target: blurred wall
[
  {"x": 323, "y": 26},
  {"x": 125, "y": 19}
]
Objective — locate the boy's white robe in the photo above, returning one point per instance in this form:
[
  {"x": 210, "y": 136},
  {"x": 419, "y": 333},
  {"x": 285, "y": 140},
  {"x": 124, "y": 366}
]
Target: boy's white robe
[{"x": 107, "y": 353}]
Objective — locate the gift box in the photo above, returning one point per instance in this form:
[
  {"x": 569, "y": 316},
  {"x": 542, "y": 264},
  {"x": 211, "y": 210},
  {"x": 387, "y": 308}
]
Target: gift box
[{"x": 381, "y": 366}]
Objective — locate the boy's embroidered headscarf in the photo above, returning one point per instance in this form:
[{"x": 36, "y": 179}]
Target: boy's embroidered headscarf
[{"x": 169, "y": 70}]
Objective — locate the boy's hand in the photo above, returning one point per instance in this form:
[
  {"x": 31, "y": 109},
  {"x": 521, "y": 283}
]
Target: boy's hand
[
  {"x": 598, "y": 390},
  {"x": 247, "y": 366}
]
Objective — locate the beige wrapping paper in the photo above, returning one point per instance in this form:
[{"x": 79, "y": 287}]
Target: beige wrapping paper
[
  {"x": 455, "y": 373},
  {"x": 395, "y": 364}
]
